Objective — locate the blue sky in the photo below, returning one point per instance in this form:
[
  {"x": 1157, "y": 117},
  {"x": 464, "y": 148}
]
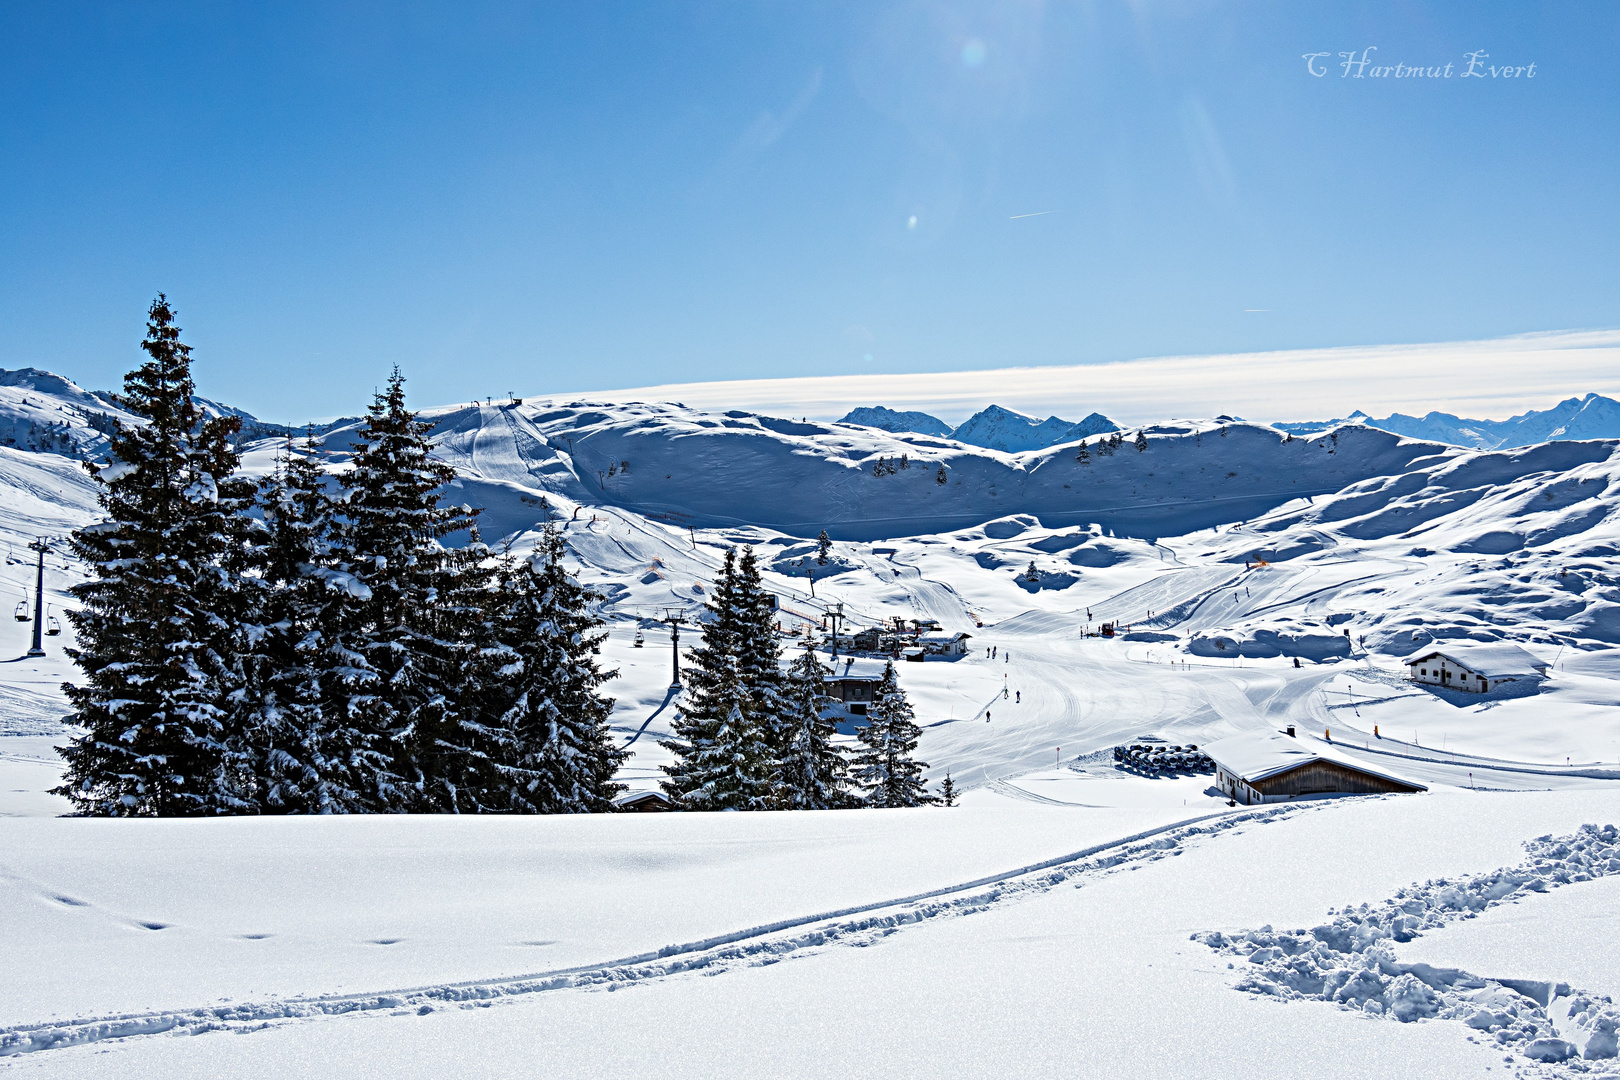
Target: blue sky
[{"x": 556, "y": 197}]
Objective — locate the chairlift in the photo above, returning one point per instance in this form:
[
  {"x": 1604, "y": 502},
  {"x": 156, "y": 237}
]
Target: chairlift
[
  {"x": 52, "y": 626},
  {"x": 20, "y": 612}
]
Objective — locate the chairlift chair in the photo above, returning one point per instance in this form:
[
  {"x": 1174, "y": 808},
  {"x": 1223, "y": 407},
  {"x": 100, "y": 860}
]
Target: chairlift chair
[
  {"x": 52, "y": 626},
  {"x": 640, "y": 641},
  {"x": 21, "y": 612}
]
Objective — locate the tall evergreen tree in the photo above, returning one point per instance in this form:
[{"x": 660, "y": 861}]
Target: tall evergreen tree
[
  {"x": 403, "y": 679},
  {"x": 814, "y": 771},
  {"x": 549, "y": 749},
  {"x": 723, "y": 755},
  {"x": 307, "y": 755},
  {"x": 823, "y": 546},
  {"x": 160, "y": 623},
  {"x": 947, "y": 791},
  {"x": 759, "y": 654},
  {"x": 885, "y": 766}
]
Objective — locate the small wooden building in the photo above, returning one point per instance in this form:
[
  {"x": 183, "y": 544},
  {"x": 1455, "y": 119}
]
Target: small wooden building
[
  {"x": 643, "y": 802},
  {"x": 1274, "y": 767},
  {"x": 853, "y": 681},
  {"x": 1478, "y": 667},
  {"x": 944, "y": 644},
  {"x": 868, "y": 640}
]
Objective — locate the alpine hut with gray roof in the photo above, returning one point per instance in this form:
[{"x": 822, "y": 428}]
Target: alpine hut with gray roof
[{"x": 1478, "y": 667}]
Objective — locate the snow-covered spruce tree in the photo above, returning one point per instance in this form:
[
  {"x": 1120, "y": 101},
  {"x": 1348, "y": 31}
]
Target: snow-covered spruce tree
[
  {"x": 402, "y": 682},
  {"x": 306, "y": 753},
  {"x": 885, "y": 766},
  {"x": 814, "y": 772},
  {"x": 161, "y": 621},
  {"x": 947, "y": 791},
  {"x": 1083, "y": 456},
  {"x": 548, "y": 747},
  {"x": 823, "y": 546},
  {"x": 723, "y": 758},
  {"x": 759, "y": 654},
  {"x": 1141, "y": 441}
]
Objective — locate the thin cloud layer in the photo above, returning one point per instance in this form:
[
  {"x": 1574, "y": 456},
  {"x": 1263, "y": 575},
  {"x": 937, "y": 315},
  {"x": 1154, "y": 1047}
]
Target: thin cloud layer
[{"x": 1489, "y": 379}]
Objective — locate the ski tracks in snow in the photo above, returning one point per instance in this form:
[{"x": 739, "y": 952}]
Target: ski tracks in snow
[{"x": 752, "y": 947}]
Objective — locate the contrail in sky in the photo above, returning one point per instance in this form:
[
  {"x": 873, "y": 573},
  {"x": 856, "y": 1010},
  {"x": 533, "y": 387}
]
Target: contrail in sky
[{"x": 1038, "y": 213}]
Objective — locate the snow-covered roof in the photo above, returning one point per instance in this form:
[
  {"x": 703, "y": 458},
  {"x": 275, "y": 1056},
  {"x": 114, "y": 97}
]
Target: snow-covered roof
[
  {"x": 942, "y": 637},
  {"x": 639, "y": 796},
  {"x": 859, "y": 668},
  {"x": 1256, "y": 757},
  {"x": 1494, "y": 660}
]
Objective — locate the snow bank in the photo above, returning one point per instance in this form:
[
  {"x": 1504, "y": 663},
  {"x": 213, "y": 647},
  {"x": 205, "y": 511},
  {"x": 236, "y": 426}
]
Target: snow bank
[{"x": 1311, "y": 641}]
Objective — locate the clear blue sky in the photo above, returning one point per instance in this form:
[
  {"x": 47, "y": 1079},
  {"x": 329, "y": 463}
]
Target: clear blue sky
[{"x": 556, "y": 197}]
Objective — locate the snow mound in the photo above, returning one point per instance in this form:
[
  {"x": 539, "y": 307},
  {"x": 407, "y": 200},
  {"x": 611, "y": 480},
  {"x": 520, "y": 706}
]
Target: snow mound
[{"x": 1310, "y": 641}]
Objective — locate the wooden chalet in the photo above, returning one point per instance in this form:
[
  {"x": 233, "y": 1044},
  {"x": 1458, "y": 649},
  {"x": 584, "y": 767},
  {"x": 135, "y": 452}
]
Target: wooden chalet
[
  {"x": 643, "y": 802},
  {"x": 1274, "y": 767},
  {"x": 853, "y": 681}
]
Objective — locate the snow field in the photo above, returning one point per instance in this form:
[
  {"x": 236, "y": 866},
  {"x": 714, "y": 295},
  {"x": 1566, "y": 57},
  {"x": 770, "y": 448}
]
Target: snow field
[
  {"x": 117, "y": 916},
  {"x": 1045, "y": 979},
  {"x": 1570, "y": 935}
]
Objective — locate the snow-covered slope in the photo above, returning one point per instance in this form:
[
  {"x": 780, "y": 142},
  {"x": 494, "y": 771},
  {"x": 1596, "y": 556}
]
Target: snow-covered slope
[
  {"x": 45, "y": 412},
  {"x": 1591, "y": 417}
]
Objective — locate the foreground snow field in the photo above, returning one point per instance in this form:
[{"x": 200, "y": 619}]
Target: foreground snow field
[{"x": 1083, "y": 970}]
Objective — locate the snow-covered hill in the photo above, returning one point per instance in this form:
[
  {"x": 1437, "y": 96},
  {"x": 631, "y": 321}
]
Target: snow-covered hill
[
  {"x": 44, "y": 412},
  {"x": 40, "y": 411},
  {"x": 739, "y": 469}
]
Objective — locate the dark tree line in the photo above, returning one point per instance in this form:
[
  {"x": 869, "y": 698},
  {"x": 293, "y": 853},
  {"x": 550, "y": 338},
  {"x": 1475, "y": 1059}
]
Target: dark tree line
[
  {"x": 751, "y": 736},
  {"x": 283, "y": 648}
]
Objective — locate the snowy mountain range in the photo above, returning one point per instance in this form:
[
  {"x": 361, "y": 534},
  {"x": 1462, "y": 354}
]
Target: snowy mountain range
[
  {"x": 1422, "y": 540},
  {"x": 883, "y": 419},
  {"x": 1591, "y": 417},
  {"x": 993, "y": 428}
]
